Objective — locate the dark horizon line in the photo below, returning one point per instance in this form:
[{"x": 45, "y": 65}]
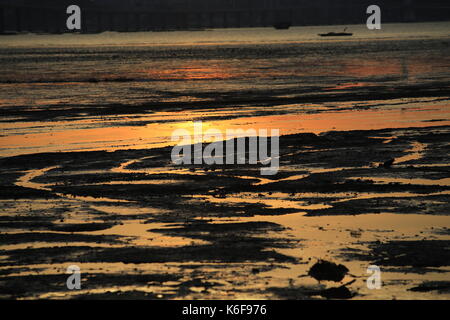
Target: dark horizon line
[{"x": 26, "y": 16}]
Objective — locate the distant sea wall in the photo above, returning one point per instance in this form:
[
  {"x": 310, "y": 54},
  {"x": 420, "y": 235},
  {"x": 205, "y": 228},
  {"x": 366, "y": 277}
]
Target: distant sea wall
[{"x": 153, "y": 15}]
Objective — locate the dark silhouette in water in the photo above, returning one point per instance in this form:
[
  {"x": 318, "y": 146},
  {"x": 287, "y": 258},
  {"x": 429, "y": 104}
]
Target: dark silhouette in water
[
  {"x": 388, "y": 164},
  {"x": 341, "y": 292},
  {"x": 336, "y": 34},
  {"x": 330, "y": 271},
  {"x": 282, "y": 25}
]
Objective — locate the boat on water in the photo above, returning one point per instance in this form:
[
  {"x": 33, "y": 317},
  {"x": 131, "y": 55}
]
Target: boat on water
[
  {"x": 336, "y": 34},
  {"x": 282, "y": 25}
]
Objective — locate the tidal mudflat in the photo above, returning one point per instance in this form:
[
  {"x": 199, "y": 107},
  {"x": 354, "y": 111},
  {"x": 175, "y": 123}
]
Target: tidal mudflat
[
  {"x": 87, "y": 177},
  {"x": 151, "y": 229}
]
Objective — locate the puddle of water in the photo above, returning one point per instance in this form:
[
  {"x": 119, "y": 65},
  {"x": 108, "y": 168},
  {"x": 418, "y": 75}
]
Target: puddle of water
[
  {"x": 144, "y": 182},
  {"x": 415, "y": 153},
  {"x": 26, "y": 180},
  {"x": 445, "y": 182},
  {"x": 139, "y": 234},
  {"x": 276, "y": 200},
  {"x": 127, "y": 210},
  {"x": 62, "y": 245}
]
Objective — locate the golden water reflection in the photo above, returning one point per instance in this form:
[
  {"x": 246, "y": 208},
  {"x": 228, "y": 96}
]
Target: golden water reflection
[{"x": 18, "y": 140}]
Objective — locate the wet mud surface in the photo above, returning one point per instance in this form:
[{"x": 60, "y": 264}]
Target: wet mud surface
[{"x": 140, "y": 227}]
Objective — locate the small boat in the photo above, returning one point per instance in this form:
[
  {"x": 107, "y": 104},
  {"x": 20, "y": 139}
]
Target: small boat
[
  {"x": 282, "y": 25},
  {"x": 336, "y": 34}
]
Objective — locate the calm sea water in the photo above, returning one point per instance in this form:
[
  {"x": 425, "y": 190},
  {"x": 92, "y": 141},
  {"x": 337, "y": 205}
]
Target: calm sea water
[
  {"x": 134, "y": 68},
  {"x": 47, "y": 80}
]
